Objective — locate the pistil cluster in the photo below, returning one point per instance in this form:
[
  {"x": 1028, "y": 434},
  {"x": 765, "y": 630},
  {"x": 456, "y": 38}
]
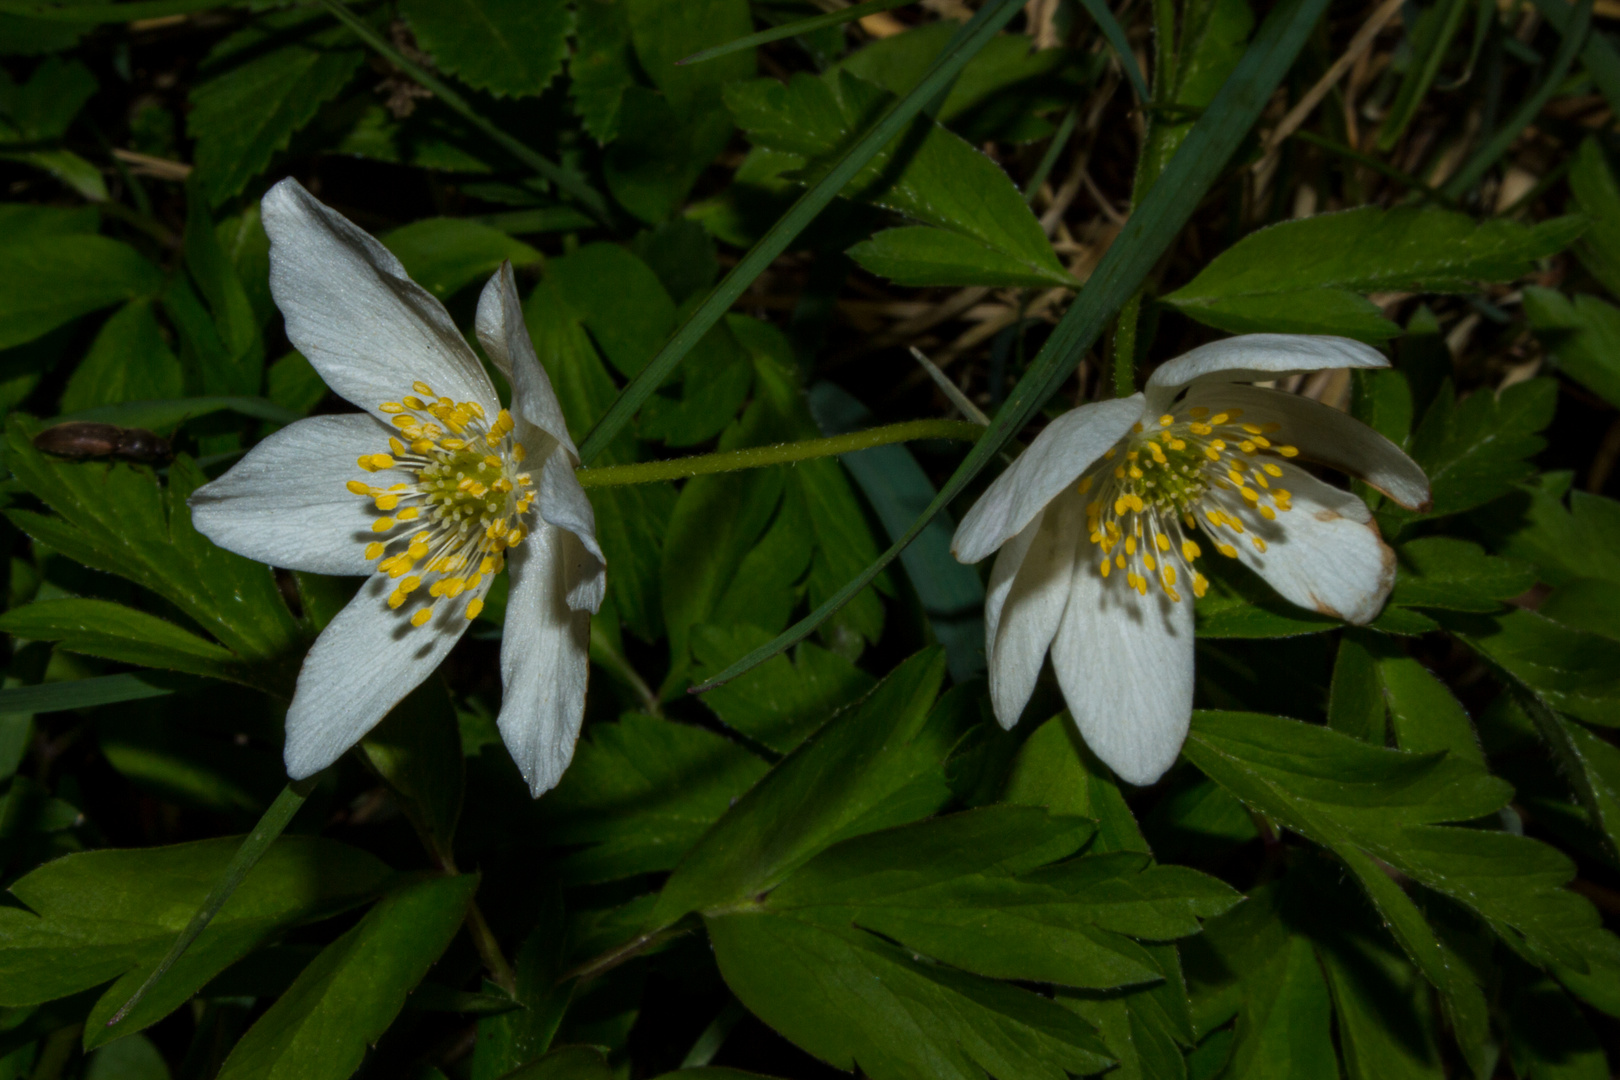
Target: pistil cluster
[
  {"x": 452, "y": 525},
  {"x": 1159, "y": 486}
]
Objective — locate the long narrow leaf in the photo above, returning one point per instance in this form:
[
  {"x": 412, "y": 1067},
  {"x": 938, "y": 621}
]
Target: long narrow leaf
[
  {"x": 1115, "y": 35},
  {"x": 1601, "y": 58},
  {"x": 984, "y": 25},
  {"x": 1574, "y": 37},
  {"x": 1145, "y": 237},
  {"x": 86, "y": 693}
]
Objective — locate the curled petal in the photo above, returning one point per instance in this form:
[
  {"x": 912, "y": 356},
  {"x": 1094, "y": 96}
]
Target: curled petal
[
  {"x": 1056, "y": 459},
  {"x": 1325, "y": 435},
  {"x": 285, "y": 503},
  {"x": 1252, "y": 357},
  {"x": 1029, "y": 587},
  {"x": 353, "y": 312},
  {"x": 1125, "y": 663},
  {"x": 1324, "y": 554},
  {"x": 544, "y": 659},
  {"x": 505, "y": 338}
]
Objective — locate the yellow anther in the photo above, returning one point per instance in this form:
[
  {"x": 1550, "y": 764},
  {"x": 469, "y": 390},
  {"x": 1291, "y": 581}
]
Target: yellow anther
[
  {"x": 1200, "y": 584},
  {"x": 1119, "y": 561},
  {"x": 395, "y": 599},
  {"x": 391, "y": 407},
  {"x": 1268, "y": 513},
  {"x": 1219, "y": 444},
  {"x": 410, "y": 513},
  {"x": 358, "y": 488},
  {"x": 1108, "y": 453},
  {"x": 1262, "y": 442},
  {"x": 474, "y": 408},
  {"x": 1084, "y": 485},
  {"x": 503, "y": 422},
  {"x": 1136, "y": 502},
  {"x": 1147, "y": 561},
  {"x": 1190, "y": 550},
  {"x": 1218, "y": 419},
  {"x": 1249, "y": 494},
  {"x": 382, "y": 524},
  {"x": 415, "y": 403},
  {"x": 1130, "y": 545},
  {"x": 1136, "y": 474},
  {"x": 1272, "y": 470},
  {"x": 1198, "y": 412},
  {"x": 1136, "y": 428},
  {"x": 492, "y": 461},
  {"x": 403, "y": 421},
  {"x": 422, "y": 446},
  {"x": 486, "y": 565},
  {"x": 453, "y": 587},
  {"x": 423, "y": 388},
  {"x": 410, "y": 584},
  {"x": 1227, "y": 549},
  {"x": 1178, "y": 444},
  {"x": 1259, "y": 544},
  {"x": 1287, "y": 451},
  {"x": 388, "y": 502},
  {"x": 1166, "y": 420},
  {"x": 1106, "y": 567},
  {"x": 1162, "y": 542},
  {"x": 454, "y": 444},
  {"x": 421, "y": 617},
  {"x": 375, "y": 549},
  {"x": 1252, "y": 429},
  {"x": 474, "y": 606},
  {"x": 396, "y": 446},
  {"x": 1120, "y": 504},
  {"x": 1168, "y": 575},
  {"x": 519, "y": 453},
  {"x": 1212, "y": 453}
]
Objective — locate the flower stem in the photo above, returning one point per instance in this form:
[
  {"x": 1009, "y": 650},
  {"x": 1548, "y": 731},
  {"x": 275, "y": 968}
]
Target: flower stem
[
  {"x": 1125, "y": 346},
  {"x": 756, "y": 457},
  {"x": 565, "y": 180}
]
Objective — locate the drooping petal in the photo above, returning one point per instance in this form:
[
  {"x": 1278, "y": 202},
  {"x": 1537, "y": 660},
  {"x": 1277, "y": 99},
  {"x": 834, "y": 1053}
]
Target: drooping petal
[
  {"x": 1325, "y": 554},
  {"x": 1325, "y": 435},
  {"x": 544, "y": 658},
  {"x": 1125, "y": 663},
  {"x": 286, "y": 502},
  {"x": 353, "y": 312},
  {"x": 505, "y": 338},
  {"x": 1251, "y": 357},
  {"x": 563, "y": 503},
  {"x": 1031, "y": 608},
  {"x": 363, "y": 664},
  {"x": 1053, "y": 461}
]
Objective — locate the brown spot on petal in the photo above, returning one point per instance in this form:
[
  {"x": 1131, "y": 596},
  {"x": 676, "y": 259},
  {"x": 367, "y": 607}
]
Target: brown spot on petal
[{"x": 1325, "y": 514}]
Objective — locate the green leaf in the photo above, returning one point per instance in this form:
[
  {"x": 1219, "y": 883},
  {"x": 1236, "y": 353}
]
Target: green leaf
[
  {"x": 1583, "y": 334},
  {"x": 116, "y": 518},
  {"x": 85, "y": 693},
  {"x": 852, "y": 1000},
  {"x": 47, "y": 281},
  {"x": 1308, "y": 275},
  {"x": 128, "y": 361},
  {"x": 115, "y": 632},
  {"x": 940, "y": 181},
  {"x": 1566, "y": 544},
  {"x": 1429, "y": 38},
  {"x": 1573, "y": 671},
  {"x": 666, "y": 31},
  {"x": 782, "y": 701},
  {"x": 1455, "y": 575},
  {"x": 510, "y": 47},
  {"x": 1475, "y": 450},
  {"x": 640, "y": 792},
  {"x": 1283, "y": 1031},
  {"x": 1356, "y": 695},
  {"x": 1239, "y": 605},
  {"x": 1597, "y": 194},
  {"x": 1365, "y": 802},
  {"x": 566, "y": 1063},
  {"x": 165, "y": 415},
  {"x": 965, "y": 890},
  {"x": 351, "y": 992},
  {"x": 602, "y": 67},
  {"x": 874, "y": 765},
  {"x": 921, "y": 255},
  {"x": 1548, "y": 1037},
  {"x": 1424, "y": 714},
  {"x": 416, "y": 749},
  {"x": 111, "y": 915},
  {"x": 444, "y": 255},
  {"x": 1055, "y": 769},
  {"x": 257, "y": 89}
]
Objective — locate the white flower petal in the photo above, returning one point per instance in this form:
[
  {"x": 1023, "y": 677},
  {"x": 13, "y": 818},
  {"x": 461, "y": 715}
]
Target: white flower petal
[
  {"x": 285, "y": 503},
  {"x": 1053, "y": 461},
  {"x": 1325, "y": 435},
  {"x": 1325, "y": 554},
  {"x": 506, "y": 339},
  {"x": 1125, "y": 663},
  {"x": 1031, "y": 609},
  {"x": 545, "y": 659},
  {"x": 1251, "y": 357},
  {"x": 363, "y": 664},
  {"x": 351, "y": 310},
  {"x": 562, "y": 502}
]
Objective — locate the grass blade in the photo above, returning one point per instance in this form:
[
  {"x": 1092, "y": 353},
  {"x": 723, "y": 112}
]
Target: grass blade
[
  {"x": 794, "y": 29},
  {"x": 1601, "y": 58},
  {"x": 254, "y": 845},
  {"x": 1145, "y": 237},
  {"x": 984, "y": 25},
  {"x": 1574, "y": 32},
  {"x": 1115, "y": 35}
]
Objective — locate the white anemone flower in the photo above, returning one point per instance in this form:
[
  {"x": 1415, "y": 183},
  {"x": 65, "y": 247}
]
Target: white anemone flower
[
  {"x": 1100, "y": 524},
  {"x": 430, "y": 491}
]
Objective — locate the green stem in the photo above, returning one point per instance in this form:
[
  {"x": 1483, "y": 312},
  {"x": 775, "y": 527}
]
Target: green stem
[
  {"x": 1125, "y": 346},
  {"x": 756, "y": 457},
  {"x": 1383, "y": 169},
  {"x": 257, "y": 842},
  {"x": 565, "y": 180},
  {"x": 794, "y": 29}
]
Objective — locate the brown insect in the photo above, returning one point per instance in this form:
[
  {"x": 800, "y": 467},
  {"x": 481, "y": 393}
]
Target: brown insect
[{"x": 82, "y": 439}]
